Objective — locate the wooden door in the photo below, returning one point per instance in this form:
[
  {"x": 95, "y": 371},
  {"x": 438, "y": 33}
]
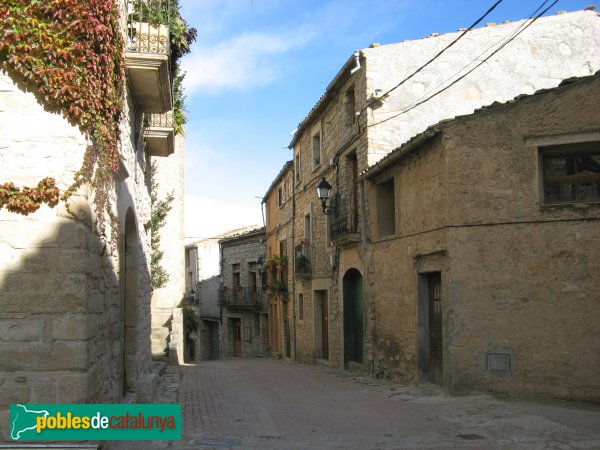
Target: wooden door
[
  {"x": 237, "y": 337},
  {"x": 325, "y": 324},
  {"x": 436, "y": 361}
]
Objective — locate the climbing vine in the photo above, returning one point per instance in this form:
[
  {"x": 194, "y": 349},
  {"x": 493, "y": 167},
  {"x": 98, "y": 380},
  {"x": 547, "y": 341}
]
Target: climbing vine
[
  {"x": 70, "y": 54},
  {"x": 159, "y": 277}
]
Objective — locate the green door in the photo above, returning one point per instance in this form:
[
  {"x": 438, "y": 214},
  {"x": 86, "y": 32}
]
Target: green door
[{"x": 353, "y": 317}]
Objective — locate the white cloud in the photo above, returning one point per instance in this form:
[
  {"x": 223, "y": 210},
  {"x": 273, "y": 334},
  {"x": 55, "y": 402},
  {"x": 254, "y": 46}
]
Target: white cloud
[
  {"x": 207, "y": 217},
  {"x": 241, "y": 62}
]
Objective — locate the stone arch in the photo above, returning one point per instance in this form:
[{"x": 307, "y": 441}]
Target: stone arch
[
  {"x": 354, "y": 336},
  {"x": 130, "y": 296}
]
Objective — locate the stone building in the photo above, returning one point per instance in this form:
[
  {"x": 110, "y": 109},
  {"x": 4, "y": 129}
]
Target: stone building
[
  {"x": 482, "y": 249},
  {"x": 166, "y": 338},
  {"x": 278, "y": 208},
  {"x": 75, "y": 281},
  {"x": 243, "y": 307},
  {"x": 202, "y": 281},
  {"x": 365, "y": 113}
]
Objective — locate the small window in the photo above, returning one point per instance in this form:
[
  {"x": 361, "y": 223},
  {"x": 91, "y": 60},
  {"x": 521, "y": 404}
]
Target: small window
[
  {"x": 350, "y": 105},
  {"x": 316, "y": 149},
  {"x": 300, "y": 307},
  {"x": 297, "y": 168},
  {"x": 386, "y": 208},
  {"x": 571, "y": 173},
  {"x": 279, "y": 196}
]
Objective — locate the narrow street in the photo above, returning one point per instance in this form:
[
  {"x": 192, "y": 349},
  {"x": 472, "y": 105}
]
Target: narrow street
[{"x": 269, "y": 404}]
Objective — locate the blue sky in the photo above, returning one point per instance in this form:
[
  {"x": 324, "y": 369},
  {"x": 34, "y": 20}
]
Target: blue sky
[{"x": 259, "y": 66}]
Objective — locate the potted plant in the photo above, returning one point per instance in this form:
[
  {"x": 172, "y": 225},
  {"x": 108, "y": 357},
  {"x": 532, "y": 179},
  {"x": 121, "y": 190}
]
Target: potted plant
[{"x": 301, "y": 263}]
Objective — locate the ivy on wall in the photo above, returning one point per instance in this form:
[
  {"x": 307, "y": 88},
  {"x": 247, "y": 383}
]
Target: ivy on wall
[{"x": 70, "y": 54}]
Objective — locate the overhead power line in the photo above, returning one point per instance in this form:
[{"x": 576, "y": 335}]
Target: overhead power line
[
  {"x": 510, "y": 39},
  {"x": 437, "y": 55}
]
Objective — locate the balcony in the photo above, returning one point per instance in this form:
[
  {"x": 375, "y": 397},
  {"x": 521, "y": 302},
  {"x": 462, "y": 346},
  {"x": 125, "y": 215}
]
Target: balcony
[
  {"x": 159, "y": 134},
  {"x": 343, "y": 214},
  {"x": 242, "y": 297},
  {"x": 302, "y": 261},
  {"x": 147, "y": 56}
]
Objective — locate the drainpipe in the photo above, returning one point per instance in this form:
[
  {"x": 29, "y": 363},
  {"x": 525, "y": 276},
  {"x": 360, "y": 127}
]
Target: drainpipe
[
  {"x": 365, "y": 253},
  {"x": 294, "y": 256}
]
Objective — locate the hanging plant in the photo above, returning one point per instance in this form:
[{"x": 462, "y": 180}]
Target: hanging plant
[{"x": 69, "y": 53}]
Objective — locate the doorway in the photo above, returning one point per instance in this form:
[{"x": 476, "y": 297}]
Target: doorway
[
  {"x": 129, "y": 289},
  {"x": 321, "y": 324},
  {"x": 274, "y": 325},
  {"x": 237, "y": 337},
  {"x": 353, "y": 316},
  {"x": 430, "y": 332}
]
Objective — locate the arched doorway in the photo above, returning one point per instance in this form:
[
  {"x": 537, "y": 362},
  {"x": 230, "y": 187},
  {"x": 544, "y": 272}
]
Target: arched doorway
[
  {"x": 129, "y": 289},
  {"x": 353, "y": 316}
]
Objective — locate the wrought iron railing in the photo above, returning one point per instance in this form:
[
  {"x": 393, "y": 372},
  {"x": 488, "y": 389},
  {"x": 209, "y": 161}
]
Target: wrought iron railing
[
  {"x": 241, "y": 296},
  {"x": 302, "y": 259},
  {"x": 343, "y": 214},
  {"x": 159, "y": 120},
  {"x": 147, "y": 26}
]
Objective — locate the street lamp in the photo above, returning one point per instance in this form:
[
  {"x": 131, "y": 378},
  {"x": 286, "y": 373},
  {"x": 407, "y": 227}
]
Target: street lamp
[
  {"x": 260, "y": 264},
  {"x": 323, "y": 192}
]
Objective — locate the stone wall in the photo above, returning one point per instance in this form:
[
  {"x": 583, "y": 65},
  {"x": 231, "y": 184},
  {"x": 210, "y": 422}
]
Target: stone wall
[
  {"x": 517, "y": 276},
  {"x": 170, "y": 179},
  {"x": 63, "y": 334},
  {"x": 243, "y": 250},
  {"x": 530, "y": 268},
  {"x": 550, "y": 50}
]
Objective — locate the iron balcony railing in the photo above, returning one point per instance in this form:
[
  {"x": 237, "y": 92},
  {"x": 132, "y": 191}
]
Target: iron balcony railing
[
  {"x": 343, "y": 214},
  {"x": 241, "y": 296},
  {"x": 302, "y": 259},
  {"x": 159, "y": 120},
  {"x": 147, "y": 26}
]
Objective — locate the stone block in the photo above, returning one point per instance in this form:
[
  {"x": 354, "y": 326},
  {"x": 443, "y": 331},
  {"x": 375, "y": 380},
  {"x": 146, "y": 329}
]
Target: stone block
[
  {"x": 43, "y": 293},
  {"x": 44, "y": 355},
  {"x": 78, "y": 387},
  {"x": 146, "y": 388},
  {"x": 14, "y": 394},
  {"x": 21, "y": 330},
  {"x": 74, "y": 327},
  {"x": 44, "y": 388}
]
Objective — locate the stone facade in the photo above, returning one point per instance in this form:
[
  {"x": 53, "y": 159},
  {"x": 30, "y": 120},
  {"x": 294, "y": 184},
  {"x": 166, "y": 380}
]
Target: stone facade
[
  {"x": 75, "y": 318},
  {"x": 517, "y": 271},
  {"x": 243, "y": 330},
  {"x": 170, "y": 177},
  {"x": 278, "y": 206},
  {"x": 354, "y": 125}
]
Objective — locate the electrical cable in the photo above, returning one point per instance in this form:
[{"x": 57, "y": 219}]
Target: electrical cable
[
  {"x": 437, "y": 55},
  {"x": 409, "y": 108},
  {"x": 457, "y": 73}
]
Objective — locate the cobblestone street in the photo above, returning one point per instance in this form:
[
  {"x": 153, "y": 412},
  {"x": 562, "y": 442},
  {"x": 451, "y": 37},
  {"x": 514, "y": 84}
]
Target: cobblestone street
[{"x": 269, "y": 404}]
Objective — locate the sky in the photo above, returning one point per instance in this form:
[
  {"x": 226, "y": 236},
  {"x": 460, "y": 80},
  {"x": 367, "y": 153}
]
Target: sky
[{"x": 259, "y": 66}]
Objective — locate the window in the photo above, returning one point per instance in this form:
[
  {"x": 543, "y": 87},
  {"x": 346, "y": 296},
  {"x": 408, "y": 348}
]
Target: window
[
  {"x": 279, "y": 196},
  {"x": 300, "y": 307},
  {"x": 297, "y": 168},
  {"x": 350, "y": 106},
  {"x": 307, "y": 236},
  {"x": 316, "y": 149},
  {"x": 571, "y": 173},
  {"x": 386, "y": 208}
]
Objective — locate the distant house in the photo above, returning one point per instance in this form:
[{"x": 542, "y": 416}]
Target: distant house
[
  {"x": 372, "y": 106},
  {"x": 278, "y": 205},
  {"x": 482, "y": 249},
  {"x": 243, "y": 330}
]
